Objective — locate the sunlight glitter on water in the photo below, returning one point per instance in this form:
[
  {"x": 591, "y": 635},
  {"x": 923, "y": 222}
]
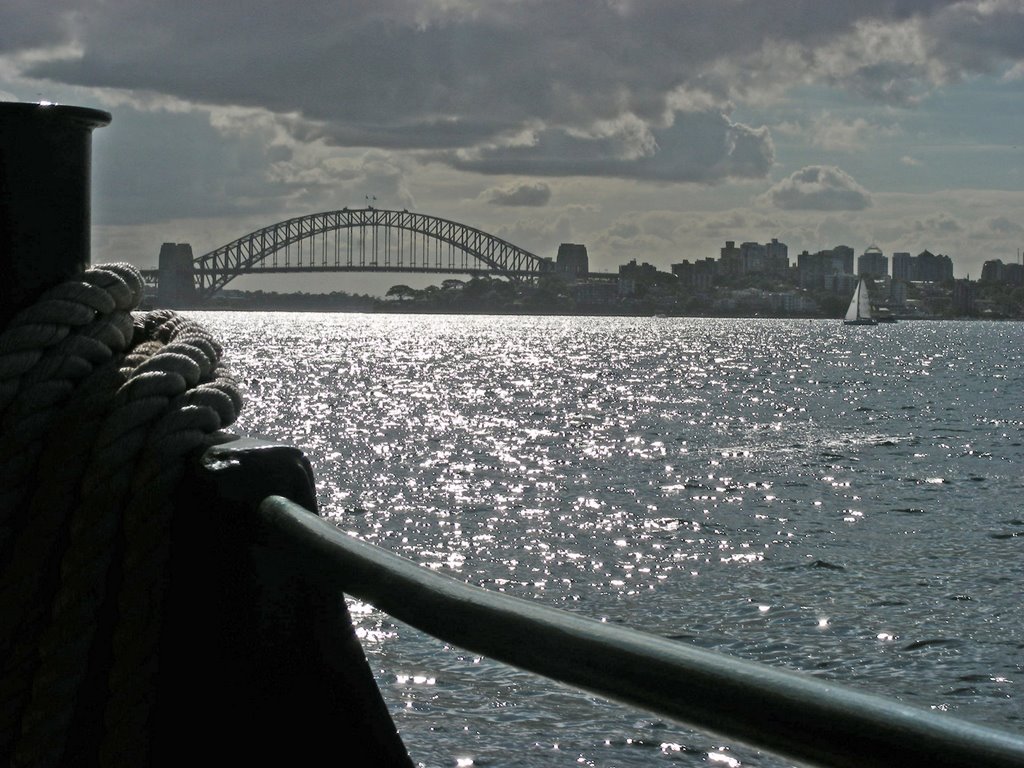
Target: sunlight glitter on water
[{"x": 613, "y": 467}]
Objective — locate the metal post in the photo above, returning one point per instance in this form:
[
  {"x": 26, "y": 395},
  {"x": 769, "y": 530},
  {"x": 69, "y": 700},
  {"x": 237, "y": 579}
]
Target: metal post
[
  {"x": 45, "y": 166},
  {"x": 259, "y": 666}
]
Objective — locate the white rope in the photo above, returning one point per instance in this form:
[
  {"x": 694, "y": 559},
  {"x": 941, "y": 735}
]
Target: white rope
[{"x": 167, "y": 393}]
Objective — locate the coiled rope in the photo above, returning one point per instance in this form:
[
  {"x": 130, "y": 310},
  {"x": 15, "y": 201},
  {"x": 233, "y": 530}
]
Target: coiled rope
[{"x": 100, "y": 407}]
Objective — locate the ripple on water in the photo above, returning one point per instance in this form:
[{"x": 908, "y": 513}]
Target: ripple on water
[{"x": 758, "y": 487}]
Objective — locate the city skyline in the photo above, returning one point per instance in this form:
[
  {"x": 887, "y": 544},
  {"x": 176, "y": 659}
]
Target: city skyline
[{"x": 651, "y": 131}]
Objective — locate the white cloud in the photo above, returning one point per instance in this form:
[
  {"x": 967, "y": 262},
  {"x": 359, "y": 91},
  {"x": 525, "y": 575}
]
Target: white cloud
[
  {"x": 939, "y": 224},
  {"x": 998, "y": 228},
  {"x": 845, "y": 134},
  {"x": 530, "y": 194},
  {"x": 818, "y": 188}
]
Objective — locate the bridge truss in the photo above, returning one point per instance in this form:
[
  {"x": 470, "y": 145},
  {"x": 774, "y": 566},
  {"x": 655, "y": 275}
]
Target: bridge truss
[{"x": 364, "y": 240}]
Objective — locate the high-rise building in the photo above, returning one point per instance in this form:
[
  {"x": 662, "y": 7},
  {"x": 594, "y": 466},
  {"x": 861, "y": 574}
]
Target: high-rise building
[
  {"x": 815, "y": 268},
  {"x": 729, "y": 256},
  {"x": 932, "y": 268},
  {"x": 901, "y": 266},
  {"x": 995, "y": 271},
  {"x": 845, "y": 253},
  {"x": 752, "y": 258},
  {"x": 926, "y": 267},
  {"x": 963, "y": 297},
  {"x": 776, "y": 257},
  {"x": 872, "y": 263},
  {"x": 700, "y": 275}
]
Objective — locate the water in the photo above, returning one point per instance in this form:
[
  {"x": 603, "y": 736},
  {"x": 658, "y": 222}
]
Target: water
[{"x": 844, "y": 501}]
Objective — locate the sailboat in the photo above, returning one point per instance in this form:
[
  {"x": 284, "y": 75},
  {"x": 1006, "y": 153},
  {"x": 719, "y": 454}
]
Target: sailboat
[{"x": 859, "y": 312}]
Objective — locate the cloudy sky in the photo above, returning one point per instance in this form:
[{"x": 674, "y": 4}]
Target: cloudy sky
[{"x": 646, "y": 129}]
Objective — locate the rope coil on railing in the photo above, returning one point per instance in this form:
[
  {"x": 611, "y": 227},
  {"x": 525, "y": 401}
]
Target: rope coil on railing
[{"x": 99, "y": 407}]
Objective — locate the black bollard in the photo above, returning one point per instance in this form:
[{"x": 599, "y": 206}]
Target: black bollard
[{"x": 45, "y": 159}]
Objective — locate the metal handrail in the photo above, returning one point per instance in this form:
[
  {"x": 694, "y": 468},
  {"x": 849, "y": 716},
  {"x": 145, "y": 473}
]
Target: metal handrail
[{"x": 788, "y": 713}]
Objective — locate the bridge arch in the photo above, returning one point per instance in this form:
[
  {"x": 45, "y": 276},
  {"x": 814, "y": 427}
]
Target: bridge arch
[{"x": 363, "y": 240}]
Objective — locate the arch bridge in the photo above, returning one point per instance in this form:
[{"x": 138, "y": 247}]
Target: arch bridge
[{"x": 349, "y": 240}]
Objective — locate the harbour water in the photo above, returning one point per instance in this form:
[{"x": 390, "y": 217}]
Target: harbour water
[{"x": 844, "y": 501}]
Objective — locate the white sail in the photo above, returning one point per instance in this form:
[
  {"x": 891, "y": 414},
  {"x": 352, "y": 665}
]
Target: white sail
[{"x": 860, "y": 305}]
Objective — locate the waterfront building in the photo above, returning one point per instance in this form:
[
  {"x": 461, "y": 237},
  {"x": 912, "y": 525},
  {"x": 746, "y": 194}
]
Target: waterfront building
[
  {"x": 840, "y": 283},
  {"x": 901, "y": 266},
  {"x": 731, "y": 259},
  {"x": 898, "y": 293},
  {"x": 932, "y": 268},
  {"x": 776, "y": 257},
  {"x": 699, "y": 276},
  {"x": 926, "y": 267},
  {"x": 963, "y": 297},
  {"x": 642, "y": 273},
  {"x": 845, "y": 254},
  {"x": 595, "y": 292},
  {"x": 816, "y": 268},
  {"x": 995, "y": 271},
  {"x": 633, "y": 275},
  {"x": 793, "y": 303},
  {"x": 872, "y": 263},
  {"x": 752, "y": 258}
]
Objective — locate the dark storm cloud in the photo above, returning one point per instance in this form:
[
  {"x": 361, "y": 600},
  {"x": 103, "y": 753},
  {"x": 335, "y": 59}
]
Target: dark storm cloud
[
  {"x": 976, "y": 37},
  {"x": 26, "y": 24},
  {"x": 595, "y": 84},
  {"x": 701, "y": 147},
  {"x": 176, "y": 165}
]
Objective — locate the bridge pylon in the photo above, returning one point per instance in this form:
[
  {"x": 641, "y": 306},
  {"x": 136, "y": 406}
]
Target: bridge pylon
[{"x": 177, "y": 276}]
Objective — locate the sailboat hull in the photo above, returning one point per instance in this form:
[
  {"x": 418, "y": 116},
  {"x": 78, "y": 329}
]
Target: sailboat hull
[{"x": 861, "y": 321}]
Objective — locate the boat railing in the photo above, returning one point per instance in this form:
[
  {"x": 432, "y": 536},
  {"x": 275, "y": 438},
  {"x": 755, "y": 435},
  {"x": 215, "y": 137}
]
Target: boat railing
[{"x": 789, "y": 713}]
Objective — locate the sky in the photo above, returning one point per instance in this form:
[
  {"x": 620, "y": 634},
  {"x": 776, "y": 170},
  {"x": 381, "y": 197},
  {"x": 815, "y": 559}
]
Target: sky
[{"x": 652, "y": 130}]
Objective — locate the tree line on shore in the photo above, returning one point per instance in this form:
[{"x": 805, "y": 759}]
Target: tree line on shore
[{"x": 553, "y": 294}]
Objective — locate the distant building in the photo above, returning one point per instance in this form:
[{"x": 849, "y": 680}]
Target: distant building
[
  {"x": 995, "y": 271},
  {"x": 901, "y": 266},
  {"x": 932, "y": 268},
  {"x": 963, "y": 297},
  {"x": 731, "y": 259},
  {"x": 642, "y": 273},
  {"x": 776, "y": 257},
  {"x": 793, "y": 303},
  {"x": 754, "y": 258},
  {"x": 872, "y": 263},
  {"x": 595, "y": 292},
  {"x": 845, "y": 253},
  {"x": 816, "y": 268},
  {"x": 926, "y": 267},
  {"x": 898, "y": 293},
  {"x": 840, "y": 283},
  {"x": 699, "y": 276},
  {"x": 992, "y": 271},
  {"x": 633, "y": 275},
  {"x": 572, "y": 259}
]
